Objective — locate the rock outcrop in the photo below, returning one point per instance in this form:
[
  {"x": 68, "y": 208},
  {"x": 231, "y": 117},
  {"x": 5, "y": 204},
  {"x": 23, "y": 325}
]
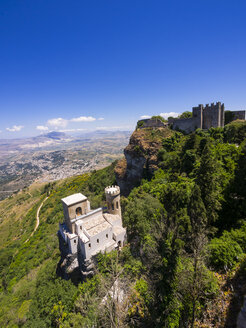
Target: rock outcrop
[
  {"x": 68, "y": 266},
  {"x": 241, "y": 320},
  {"x": 140, "y": 157}
]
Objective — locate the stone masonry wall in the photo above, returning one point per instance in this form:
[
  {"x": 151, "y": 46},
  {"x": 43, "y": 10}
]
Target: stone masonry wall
[
  {"x": 150, "y": 123},
  {"x": 202, "y": 117},
  {"x": 184, "y": 124},
  {"x": 213, "y": 116},
  {"x": 239, "y": 115}
]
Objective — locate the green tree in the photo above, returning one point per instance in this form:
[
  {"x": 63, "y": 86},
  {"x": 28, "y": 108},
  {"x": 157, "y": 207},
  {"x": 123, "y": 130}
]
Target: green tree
[
  {"x": 186, "y": 114},
  {"x": 209, "y": 181}
]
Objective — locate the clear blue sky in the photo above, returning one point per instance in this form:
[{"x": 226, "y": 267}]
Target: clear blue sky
[{"x": 116, "y": 60}]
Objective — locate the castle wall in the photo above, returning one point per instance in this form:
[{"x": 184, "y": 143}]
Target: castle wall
[
  {"x": 222, "y": 119},
  {"x": 184, "y": 124},
  {"x": 93, "y": 247},
  {"x": 213, "y": 116},
  {"x": 66, "y": 217},
  {"x": 119, "y": 237},
  {"x": 73, "y": 244},
  {"x": 210, "y": 118},
  {"x": 151, "y": 123},
  {"x": 197, "y": 115},
  {"x": 204, "y": 118},
  {"x": 239, "y": 115},
  {"x": 82, "y": 247}
]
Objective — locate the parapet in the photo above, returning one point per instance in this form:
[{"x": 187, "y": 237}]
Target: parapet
[{"x": 112, "y": 190}]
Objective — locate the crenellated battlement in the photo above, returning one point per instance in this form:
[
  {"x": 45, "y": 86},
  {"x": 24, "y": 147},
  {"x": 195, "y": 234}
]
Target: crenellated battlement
[
  {"x": 112, "y": 190},
  {"x": 203, "y": 117}
]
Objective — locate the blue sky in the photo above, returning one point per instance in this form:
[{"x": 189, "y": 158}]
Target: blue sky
[{"x": 83, "y": 65}]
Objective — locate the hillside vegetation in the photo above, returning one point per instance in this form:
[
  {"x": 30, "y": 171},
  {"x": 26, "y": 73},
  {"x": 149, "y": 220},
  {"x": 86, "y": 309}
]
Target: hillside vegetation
[{"x": 186, "y": 255}]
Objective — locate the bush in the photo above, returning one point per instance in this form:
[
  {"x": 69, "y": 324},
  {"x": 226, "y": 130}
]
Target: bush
[
  {"x": 235, "y": 132},
  {"x": 186, "y": 114},
  {"x": 224, "y": 253},
  {"x": 140, "y": 124}
]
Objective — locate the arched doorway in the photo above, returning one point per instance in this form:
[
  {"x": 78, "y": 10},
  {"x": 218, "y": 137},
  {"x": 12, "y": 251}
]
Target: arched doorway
[{"x": 78, "y": 211}]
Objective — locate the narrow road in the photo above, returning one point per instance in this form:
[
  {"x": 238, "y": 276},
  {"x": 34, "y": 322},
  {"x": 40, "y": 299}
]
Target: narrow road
[{"x": 37, "y": 218}]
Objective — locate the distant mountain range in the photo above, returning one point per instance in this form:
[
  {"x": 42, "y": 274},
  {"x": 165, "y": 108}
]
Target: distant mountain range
[
  {"x": 11, "y": 146},
  {"x": 52, "y": 139}
]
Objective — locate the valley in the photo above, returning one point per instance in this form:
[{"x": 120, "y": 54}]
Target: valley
[{"x": 55, "y": 156}]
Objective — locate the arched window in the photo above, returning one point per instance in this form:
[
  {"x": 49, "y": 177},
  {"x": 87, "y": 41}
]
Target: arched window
[
  {"x": 112, "y": 206},
  {"x": 117, "y": 205},
  {"x": 98, "y": 241},
  {"x": 78, "y": 211}
]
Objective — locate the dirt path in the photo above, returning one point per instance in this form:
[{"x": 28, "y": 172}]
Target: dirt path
[{"x": 37, "y": 218}]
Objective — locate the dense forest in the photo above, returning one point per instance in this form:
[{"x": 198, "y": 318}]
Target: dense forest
[{"x": 185, "y": 261}]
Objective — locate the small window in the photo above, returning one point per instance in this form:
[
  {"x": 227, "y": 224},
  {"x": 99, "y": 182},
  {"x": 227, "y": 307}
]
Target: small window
[
  {"x": 78, "y": 211},
  {"x": 80, "y": 227},
  {"x": 112, "y": 206},
  {"x": 98, "y": 241},
  {"x": 106, "y": 235},
  {"x": 117, "y": 205},
  {"x": 74, "y": 241},
  {"x": 89, "y": 245}
]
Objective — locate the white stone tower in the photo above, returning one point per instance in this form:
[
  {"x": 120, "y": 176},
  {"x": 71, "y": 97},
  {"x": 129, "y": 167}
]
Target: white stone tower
[
  {"x": 113, "y": 200},
  {"x": 74, "y": 206}
]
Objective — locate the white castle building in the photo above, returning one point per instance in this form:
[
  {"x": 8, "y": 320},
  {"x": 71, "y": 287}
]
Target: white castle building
[{"x": 88, "y": 232}]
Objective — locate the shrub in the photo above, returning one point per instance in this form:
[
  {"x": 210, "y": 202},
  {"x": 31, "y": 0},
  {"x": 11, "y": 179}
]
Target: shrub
[
  {"x": 235, "y": 132},
  {"x": 224, "y": 253}
]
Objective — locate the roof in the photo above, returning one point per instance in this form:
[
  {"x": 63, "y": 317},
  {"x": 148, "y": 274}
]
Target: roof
[
  {"x": 99, "y": 228},
  {"x": 111, "y": 218},
  {"x": 118, "y": 230},
  {"x": 93, "y": 221},
  {"x": 95, "y": 224},
  {"x": 83, "y": 237},
  {"x": 74, "y": 199}
]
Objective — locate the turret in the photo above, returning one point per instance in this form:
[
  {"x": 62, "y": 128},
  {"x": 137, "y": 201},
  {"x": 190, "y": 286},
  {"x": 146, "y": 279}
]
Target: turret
[
  {"x": 113, "y": 200},
  {"x": 74, "y": 206}
]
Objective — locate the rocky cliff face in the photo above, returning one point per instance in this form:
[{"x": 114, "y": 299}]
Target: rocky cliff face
[{"x": 140, "y": 157}]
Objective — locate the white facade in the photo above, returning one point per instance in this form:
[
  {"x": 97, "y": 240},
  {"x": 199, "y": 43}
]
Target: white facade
[{"x": 88, "y": 232}]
